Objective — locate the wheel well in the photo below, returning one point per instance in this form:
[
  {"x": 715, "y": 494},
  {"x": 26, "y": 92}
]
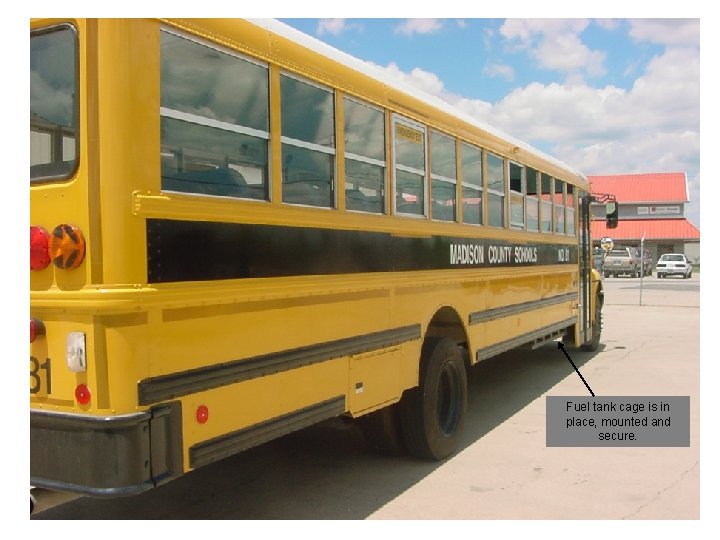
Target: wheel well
[{"x": 447, "y": 323}]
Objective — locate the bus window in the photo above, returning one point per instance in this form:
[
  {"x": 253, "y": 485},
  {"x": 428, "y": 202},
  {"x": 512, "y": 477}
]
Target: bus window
[
  {"x": 214, "y": 121},
  {"x": 409, "y": 168},
  {"x": 517, "y": 196},
  {"x": 443, "y": 177},
  {"x": 570, "y": 210},
  {"x": 559, "y": 201},
  {"x": 53, "y": 103},
  {"x": 472, "y": 181},
  {"x": 308, "y": 137},
  {"x": 364, "y": 158},
  {"x": 532, "y": 201},
  {"x": 496, "y": 190},
  {"x": 546, "y": 203}
]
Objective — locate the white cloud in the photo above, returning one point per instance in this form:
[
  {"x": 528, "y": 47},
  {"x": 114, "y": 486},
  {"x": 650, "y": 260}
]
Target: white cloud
[
  {"x": 676, "y": 32},
  {"x": 418, "y": 26},
  {"x": 608, "y": 24},
  {"x": 431, "y": 84},
  {"x": 555, "y": 44},
  {"x": 501, "y": 71},
  {"x": 530, "y": 31},
  {"x": 565, "y": 52},
  {"x": 334, "y": 27},
  {"x": 418, "y": 78}
]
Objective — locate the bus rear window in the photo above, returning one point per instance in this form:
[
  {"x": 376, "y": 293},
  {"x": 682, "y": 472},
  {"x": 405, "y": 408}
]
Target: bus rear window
[{"x": 53, "y": 103}]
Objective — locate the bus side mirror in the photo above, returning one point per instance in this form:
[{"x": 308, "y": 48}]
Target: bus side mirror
[{"x": 611, "y": 215}]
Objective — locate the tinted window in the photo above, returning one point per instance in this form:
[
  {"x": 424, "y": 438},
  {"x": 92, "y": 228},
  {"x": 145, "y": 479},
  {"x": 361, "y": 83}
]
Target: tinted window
[
  {"x": 308, "y": 134},
  {"x": 53, "y": 103},
  {"x": 214, "y": 121}
]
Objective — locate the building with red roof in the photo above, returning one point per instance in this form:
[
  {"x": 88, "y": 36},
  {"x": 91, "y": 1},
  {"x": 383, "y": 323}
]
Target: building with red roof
[{"x": 652, "y": 208}]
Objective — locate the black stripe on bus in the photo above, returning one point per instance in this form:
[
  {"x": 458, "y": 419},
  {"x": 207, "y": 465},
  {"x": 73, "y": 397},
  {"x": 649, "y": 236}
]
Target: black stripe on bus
[
  {"x": 553, "y": 330},
  {"x": 203, "y": 251},
  {"x": 163, "y": 387},
  {"x": 231, "y": 443},
  {"x": 478, "y": 317}
]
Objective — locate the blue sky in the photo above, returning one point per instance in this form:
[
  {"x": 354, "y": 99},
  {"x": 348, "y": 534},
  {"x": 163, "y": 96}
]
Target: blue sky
[{"x": 607, "y": 96}]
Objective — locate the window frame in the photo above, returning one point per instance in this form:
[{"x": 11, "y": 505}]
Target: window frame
[
  {"x": 490, "y": 192},
  {"x": 559, "y": 209},
  {"x": 570, "y": 209},
  {"x": 306, "y": 145},
  {"x": 545, "y": 204},
  {"x": 442, "y": 178},
  {"x": 521, "y": 194},
  {"x": 63, "y": 176},
  {"x": 198, "y": 120},
  {"x": 471, "y": 185},
  {"x": 365, "y": 159},
  {"x": 532, "y": 200},
  {"x": 416, "y": 126}
]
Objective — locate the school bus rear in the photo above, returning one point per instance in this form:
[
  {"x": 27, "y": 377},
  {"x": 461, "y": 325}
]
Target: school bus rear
[{"x": 84, "y": 297}]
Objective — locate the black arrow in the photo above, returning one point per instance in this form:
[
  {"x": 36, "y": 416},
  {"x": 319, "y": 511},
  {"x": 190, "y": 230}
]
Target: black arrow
[{"x": 562, "y": 347}]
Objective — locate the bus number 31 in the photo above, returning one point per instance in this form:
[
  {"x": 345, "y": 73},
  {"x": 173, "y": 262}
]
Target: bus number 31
[{"x": 36, "y": 378}]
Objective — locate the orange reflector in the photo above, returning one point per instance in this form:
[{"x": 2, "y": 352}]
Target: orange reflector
[{"x": 67, "y": 246}]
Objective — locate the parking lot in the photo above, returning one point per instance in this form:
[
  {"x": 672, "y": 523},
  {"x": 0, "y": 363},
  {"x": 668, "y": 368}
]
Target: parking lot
[{"x": 651, "y": 347}]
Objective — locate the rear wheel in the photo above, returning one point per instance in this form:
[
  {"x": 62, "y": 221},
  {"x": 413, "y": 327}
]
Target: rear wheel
[{"x": 432, "y": 414}]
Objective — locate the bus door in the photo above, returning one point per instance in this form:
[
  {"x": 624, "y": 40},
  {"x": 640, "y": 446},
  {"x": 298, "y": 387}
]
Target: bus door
[{"x": 585, "y": 269}]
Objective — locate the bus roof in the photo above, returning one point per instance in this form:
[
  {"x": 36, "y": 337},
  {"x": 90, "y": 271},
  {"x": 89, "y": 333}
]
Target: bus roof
[{"x": 384, "y": 77}]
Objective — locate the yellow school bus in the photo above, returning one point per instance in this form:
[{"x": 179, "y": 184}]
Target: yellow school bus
[{"x": 238, "y": 231}]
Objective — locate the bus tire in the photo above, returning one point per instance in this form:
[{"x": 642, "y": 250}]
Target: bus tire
[
  {"x": 594, "y": 343},
  {"x": 381, "y": 430},
  {"x": 432, "y": 414}
]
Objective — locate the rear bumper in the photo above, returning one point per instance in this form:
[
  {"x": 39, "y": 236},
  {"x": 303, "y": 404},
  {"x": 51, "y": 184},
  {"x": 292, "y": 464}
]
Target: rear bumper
[
  {"x": 620, "y": 269},
  {"x": 673, "y": 271},
  {"x": 106, "y": 456}
]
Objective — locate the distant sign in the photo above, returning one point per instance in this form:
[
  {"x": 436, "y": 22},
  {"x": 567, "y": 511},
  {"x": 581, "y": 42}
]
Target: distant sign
[
  {"x": 606, "y": 243},
  {"x": 655, "y": 210}
]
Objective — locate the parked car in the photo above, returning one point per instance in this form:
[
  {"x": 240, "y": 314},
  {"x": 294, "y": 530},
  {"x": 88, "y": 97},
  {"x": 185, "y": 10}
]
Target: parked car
[
  {"x": 622, "y": 261},
  {"x": 673, "y": 264}
]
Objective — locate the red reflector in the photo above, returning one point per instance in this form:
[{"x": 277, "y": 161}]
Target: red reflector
[
  {"x": 67, "y": 246},
  {"x": 202, "y": 414},
  {"x": 82, "y": 394},
  {"x": 37, "y": 328},
  {"x": 39, "y": 243}
]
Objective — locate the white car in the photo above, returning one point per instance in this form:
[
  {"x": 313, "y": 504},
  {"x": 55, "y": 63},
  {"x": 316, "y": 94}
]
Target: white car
[{"x": 673, "y": 264}]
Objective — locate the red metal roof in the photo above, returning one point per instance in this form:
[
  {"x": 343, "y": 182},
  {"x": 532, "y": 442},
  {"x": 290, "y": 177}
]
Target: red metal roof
[
  {"x": 643, "y": 188},
  {"x": 653, "y": 229}
]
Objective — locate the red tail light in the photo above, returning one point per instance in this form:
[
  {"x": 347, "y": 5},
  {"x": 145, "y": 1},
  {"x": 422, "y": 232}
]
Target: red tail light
[
  {"x": 39, "y": 246},
  {"x": 37, "y": 328}
]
